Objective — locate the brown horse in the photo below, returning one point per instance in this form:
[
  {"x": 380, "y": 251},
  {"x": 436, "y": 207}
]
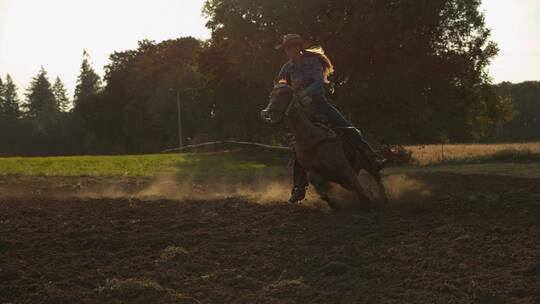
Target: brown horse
[{"x": 320, "y": 151}]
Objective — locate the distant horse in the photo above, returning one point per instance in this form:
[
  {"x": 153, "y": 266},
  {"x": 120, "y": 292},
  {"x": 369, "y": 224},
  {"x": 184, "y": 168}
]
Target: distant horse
[{"x": 324, "y": 155}]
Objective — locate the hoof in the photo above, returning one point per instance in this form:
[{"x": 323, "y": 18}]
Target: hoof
[
  {"x": 331, "y": 203},
  {"x": 297, "y": 195},
  {"x": 334, "y": 207},
  {"x": 366, "y": 207}
]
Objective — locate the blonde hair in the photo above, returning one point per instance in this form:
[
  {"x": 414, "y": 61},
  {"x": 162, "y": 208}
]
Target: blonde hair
[{"x": 318, "y": 52}]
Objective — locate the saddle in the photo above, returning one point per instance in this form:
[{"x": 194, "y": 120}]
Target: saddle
[
  {"x": 321, "y": 133},
  {"x": 350, "y": 147},
  {"x": 321, "y": 121}
]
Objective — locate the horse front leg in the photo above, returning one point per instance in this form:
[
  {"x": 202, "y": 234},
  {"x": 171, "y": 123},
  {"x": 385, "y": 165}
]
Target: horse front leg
[
  {"x": 352, "y": 184},
  {"x": 322, "y": 188},
  {"x": 382, "y": 190}
]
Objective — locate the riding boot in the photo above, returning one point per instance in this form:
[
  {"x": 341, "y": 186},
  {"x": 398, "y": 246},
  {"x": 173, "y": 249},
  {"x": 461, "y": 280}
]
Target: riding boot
[
  {"x": 300, "y": 180},
  {"x": 377, "y": 161}
]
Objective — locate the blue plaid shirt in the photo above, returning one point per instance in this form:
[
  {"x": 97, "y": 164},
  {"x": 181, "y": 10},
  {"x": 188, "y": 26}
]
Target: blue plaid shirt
[{"x": 305, "y": 76}]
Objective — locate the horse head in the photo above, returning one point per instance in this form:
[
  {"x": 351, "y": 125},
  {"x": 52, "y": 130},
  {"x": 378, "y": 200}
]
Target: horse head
[{"x": 280, "y": 103}]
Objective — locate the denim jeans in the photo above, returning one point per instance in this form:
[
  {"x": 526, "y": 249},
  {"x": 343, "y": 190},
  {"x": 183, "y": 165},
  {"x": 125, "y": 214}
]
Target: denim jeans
[{"x": 335, "y": 118}]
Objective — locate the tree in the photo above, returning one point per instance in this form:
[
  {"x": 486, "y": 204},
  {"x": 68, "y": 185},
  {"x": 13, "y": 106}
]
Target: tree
[
  {"x": 136, "y": 111},
  {"x": 524, "y": 124},
  {"x": 88, "y": 81},
  {"x": 60, "y": 95},
  {"x": 9, "y": 101},
  {"x": 406, "y": 71},
  {"x": 14, "y": 133},
  {"x": 41, "y": 106},
  {"x": 1, "y": 94}
]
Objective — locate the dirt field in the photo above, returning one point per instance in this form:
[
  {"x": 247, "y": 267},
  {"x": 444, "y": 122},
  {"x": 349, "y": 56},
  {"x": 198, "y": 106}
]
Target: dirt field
[{"x": 469, "y": 239}]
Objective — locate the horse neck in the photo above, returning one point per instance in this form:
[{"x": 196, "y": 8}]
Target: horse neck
[{"x": 302, "y": 128}]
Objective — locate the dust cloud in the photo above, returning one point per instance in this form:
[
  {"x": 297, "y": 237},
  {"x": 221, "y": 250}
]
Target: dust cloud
[
  {"x": 400, "y": 189},
  {"x": 170, "y": 187}
]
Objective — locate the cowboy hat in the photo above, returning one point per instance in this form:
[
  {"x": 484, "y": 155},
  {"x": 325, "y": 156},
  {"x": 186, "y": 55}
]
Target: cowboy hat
[{"x": 293, "y": 39}]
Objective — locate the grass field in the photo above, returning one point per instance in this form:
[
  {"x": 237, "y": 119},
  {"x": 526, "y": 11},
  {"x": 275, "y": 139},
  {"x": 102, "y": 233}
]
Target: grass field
[
  {"x": 198, "y": 165},
  {"x": 475, "y": 153},
  {"x": 251, "y": 164}
]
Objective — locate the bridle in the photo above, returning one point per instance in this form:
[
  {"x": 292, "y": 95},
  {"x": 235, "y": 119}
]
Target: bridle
[{"x": 293, "y": 104}]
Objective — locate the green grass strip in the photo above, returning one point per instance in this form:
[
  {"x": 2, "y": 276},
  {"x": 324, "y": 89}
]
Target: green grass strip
[{"x": 239, "y": 164}]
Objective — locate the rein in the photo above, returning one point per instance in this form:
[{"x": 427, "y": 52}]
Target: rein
[{"x": 294, "y": 103}]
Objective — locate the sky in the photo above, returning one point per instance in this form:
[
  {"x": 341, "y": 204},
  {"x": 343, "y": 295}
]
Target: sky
[
  {"x": 54, "y": 33},
  {"x": 515, "y": 26}
]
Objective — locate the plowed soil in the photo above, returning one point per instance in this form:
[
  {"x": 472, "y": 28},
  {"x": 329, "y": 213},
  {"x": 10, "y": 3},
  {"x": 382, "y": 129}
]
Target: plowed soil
[{"x": 475, "y": 240}]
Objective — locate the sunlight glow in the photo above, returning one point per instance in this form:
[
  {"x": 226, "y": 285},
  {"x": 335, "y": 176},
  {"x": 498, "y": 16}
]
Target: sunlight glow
[
  {"x": 516, "y": 28},
  {"x": 53, "y": 33}
]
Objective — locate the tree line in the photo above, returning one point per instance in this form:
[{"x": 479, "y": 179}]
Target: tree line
[
  {"x": 407, "y": 72},
  {"x": 45, "y": 121},
  {"x": 524, "y": 121}
]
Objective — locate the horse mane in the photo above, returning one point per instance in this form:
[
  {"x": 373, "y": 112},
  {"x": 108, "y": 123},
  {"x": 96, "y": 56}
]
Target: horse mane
[{"x": 306, "y": 111}]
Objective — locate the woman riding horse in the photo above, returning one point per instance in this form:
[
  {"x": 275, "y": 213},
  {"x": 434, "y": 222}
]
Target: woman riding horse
[{"x": 307, "y": 72}]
